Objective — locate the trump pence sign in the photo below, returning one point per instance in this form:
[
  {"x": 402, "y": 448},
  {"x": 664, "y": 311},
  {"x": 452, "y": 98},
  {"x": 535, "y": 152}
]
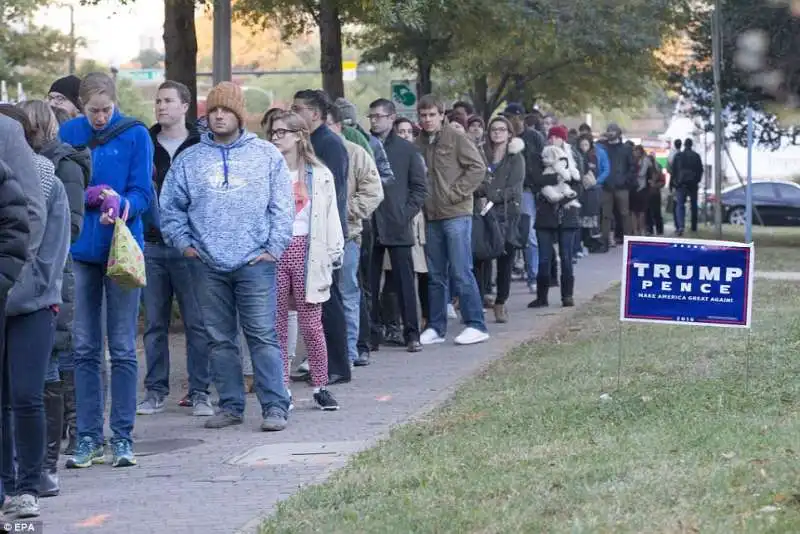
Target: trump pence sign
[{"x": 687, "y": 281}]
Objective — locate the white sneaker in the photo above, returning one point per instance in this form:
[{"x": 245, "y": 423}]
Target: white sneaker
[
  {"x": 470, "y": 336},
  {"x": 451, "y": 312},
  {"x": 201, "y": 405},
  {"x": 303, "y": 367},
  {"x": 430, "y": 337}
]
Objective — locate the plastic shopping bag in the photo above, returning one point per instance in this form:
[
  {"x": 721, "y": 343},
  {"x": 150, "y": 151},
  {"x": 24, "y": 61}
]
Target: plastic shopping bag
[{"x": 125, "y": 259}]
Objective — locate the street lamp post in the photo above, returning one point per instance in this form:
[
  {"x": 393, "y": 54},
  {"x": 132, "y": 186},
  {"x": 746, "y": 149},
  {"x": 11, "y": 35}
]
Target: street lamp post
[{"x": 222, "y": 41}]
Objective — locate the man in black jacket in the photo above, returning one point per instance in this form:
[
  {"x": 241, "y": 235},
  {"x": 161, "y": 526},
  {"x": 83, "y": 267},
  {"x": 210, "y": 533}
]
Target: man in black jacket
[
  {"x": 687, "y": 168},
  {"x": 616, "y": 188},
  {"x": 403, "y": 198},
  {"x": 169, "y": 273},
  {"x": 313, "y": 105}
]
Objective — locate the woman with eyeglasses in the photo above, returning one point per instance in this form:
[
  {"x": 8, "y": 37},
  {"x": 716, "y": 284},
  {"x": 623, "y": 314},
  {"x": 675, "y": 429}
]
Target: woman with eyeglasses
[{"x": 305, "y": 270}]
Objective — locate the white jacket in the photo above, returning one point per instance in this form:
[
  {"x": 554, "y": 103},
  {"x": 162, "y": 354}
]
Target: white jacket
[{"x": 325, "y": 239}]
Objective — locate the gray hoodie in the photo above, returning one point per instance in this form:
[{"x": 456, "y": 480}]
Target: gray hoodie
[
  {"x": 18, "y": 155},
  {"x": 39, "y": 287}
]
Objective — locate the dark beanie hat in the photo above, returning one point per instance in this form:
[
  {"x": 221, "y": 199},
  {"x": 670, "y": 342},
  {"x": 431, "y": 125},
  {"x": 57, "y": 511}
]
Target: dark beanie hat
[{"x": 69, "y": 86}]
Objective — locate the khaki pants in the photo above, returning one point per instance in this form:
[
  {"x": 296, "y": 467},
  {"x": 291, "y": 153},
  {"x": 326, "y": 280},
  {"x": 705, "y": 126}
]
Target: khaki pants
[{"x": 621, "y": 200}]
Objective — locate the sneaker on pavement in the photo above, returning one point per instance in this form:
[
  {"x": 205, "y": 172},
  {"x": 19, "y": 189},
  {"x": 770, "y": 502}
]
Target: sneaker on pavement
[
  {"x": 291, "y": 399},
  {"x": 451, "y": 312},
  {"x": 303, "y": 367},
  {"x": 10, "y": 505},
  {"x": 430, "y": 337},
  {"x": 274, "y": 421},
  {"x": 26, "y": 506},
  {"x": 86, "y": 453},
  {"x": 123, "y": 453},
  {"x": 223, "y": 420},
  {"x": 201, "y": 403},
  {"x": 470, "y": 336},
  {"x": 325, "y": 400},
  {"x": 153, "y": 403}
]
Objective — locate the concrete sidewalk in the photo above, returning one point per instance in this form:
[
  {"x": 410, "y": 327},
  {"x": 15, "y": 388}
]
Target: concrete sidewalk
[{"x": 192, "y": 480}]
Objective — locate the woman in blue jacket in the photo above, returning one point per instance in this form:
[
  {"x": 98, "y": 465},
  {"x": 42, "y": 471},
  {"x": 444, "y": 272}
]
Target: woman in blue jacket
[{"x": 122, "y": 170}]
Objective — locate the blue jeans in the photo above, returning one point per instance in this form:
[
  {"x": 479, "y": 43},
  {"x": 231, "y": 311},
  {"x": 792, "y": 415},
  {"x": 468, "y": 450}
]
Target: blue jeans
[
  {"x": 532, "y": 250},
  {"x": 351, "y": 295},
  {"x": 29, "y": 343},
  {"x": 249, "y": 292},
  {"x": 681, "y": 195},
  {"x": 565, "y": 239},
  {"x": 122, "y": 311},
  {"x": 449, "y": 251},
  {"x": 168, "y": 274}
]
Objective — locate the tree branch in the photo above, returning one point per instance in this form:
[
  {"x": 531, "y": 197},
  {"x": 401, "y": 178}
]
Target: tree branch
[
  {"x": 313, "y": 10},
  {"x": 496, "y": 96}
]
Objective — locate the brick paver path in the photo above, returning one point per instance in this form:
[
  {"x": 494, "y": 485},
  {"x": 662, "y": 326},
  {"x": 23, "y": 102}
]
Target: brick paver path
[{"x": 221, "y": 482}]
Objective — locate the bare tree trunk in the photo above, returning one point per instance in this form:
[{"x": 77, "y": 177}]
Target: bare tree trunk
[
  {"x": 180, "y": 47},
  {"x": 330, "y": 40},
  {"x": 480, "y": 97},
  {"x": 424, "y": 81}
]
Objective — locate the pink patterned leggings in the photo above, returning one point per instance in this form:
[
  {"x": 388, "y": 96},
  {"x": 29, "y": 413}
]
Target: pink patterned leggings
[{"x": 291, "y": 282}]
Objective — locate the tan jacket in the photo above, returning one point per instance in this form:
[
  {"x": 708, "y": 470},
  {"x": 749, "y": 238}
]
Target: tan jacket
[
  {"x": 325, "y": 240},
  {"x": 364, "y": 188},
  {"x": 455, "y": 169}
]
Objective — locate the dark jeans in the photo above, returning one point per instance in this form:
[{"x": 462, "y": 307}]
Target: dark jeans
[
  {"x": 335, "y": 327},
  {"x": 29, "y": 343},
  {"x": 364, "y": 266},
  {"x": 565, "y": 238},
  {"x": 249, "y": 293},
  {"x": 404, "y": 284},
  {"x": 422, "y": 293},
  {"x": 681, "y": 194},
  {"x": 482, "y": 269},
  {"x": 655, "y": 219},
  {"x": 168, "y": 274}
]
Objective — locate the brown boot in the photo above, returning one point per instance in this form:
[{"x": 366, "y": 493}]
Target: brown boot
[{"x": 500, "y": 313}]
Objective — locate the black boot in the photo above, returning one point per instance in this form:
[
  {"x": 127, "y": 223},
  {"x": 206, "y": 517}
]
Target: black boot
[
  {"x": 542, "y": 288},
  {"x": 70, "y": 416},
  {"x": 54, "y": 415},
  {"x": 567, "y": 288}
]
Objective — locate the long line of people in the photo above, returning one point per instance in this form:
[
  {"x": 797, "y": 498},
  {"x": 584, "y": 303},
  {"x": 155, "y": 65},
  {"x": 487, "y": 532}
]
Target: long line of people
[{"x": 354, "y": 239}]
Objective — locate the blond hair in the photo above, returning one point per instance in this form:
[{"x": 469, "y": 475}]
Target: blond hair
[
  {"x": 296, "y": 123},
  {"x": 44, "y": 124},
  {"x": 97, "y": 83}
]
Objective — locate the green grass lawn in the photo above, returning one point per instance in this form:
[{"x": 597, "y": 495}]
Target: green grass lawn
[{"x": 529, "y": 446}]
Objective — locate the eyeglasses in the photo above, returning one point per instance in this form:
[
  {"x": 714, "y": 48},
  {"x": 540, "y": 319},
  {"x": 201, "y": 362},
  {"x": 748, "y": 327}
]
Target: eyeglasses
[
  {"x": 280, "y": 133},
  {"x": 57, "y": 98}
]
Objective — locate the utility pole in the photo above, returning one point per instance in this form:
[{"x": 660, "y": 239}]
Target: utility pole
[
  {"x": 71, "y": 38},
  {"x": 719, "y": 135},
  {"x": 221, "y": 58}
]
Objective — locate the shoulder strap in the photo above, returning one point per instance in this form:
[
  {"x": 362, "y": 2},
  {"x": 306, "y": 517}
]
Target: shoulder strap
[{"x": 103, "y": 137}]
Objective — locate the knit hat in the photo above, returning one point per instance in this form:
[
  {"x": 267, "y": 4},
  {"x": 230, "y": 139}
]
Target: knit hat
[
  {"x": 559, "y": 131},
  {"x": 347, "y": 110},
  {"x": 70, "y": 87},
  {"x": 227, "y": 95}
]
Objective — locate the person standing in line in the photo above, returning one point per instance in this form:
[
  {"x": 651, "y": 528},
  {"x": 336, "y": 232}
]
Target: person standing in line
[
  {"x": 73, "y": 168},
  {"x": 455, "y": 170},
  {"x": 394, "y": 218},
  {"x": 226, "y": 204},
  {"x": 689, "y": 171},
  {"x": 313, "y": 106},
  {"x": 169, "y": 273},
  {"x": 364, "y": 195},
  {"x": 64, "y": 94},
  {"x": 122, "y": 170},
  {"x": 616, "y": 186},
  {"x": 317, "y": 247},
  {"x": 29, "y": 331}
]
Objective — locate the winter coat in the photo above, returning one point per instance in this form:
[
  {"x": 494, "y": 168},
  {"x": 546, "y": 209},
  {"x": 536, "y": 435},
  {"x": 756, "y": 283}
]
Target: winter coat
[
  {"x": 39, "y": 288},
  {"x": 552, "y": 216},
  {"x": 329, "y": 147},
  {"x": 125, "y": 164},
  {"x": 161, "y": 164},
  {"x": 14, "y": 230},
  {"x": 364, "y": 190},
  {"x": 455, "y": 170},
  {"x": 534, "y": 144},
  {"x": 403, "y": 197},
  {"x": 325, "y": 238},
  {"x": 230, "y": 202},
  {"x": 689, "y": 169},
  {"x": 74, "y": 169},
  {"x": 503, "y": 186},
  {"x": 418, "y": 258},
  {"x": 622, "y": 170}
]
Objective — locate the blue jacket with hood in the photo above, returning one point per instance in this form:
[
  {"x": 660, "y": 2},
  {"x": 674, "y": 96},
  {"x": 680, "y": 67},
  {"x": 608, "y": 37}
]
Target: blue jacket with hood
[{"x": 125, "y": 163}]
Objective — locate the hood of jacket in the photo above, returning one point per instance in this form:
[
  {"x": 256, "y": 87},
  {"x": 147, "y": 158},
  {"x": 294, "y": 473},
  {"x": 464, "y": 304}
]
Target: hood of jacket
[
  {"x": 55, "y": 151},
  {"x": 516, "y": 145}
]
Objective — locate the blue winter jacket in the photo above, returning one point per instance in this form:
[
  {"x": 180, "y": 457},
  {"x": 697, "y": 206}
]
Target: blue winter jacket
[
  {"x": 126, "y": 165},
  {"x": 603, "y": 167}
]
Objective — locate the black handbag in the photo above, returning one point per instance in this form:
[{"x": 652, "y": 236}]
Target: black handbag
[
  {"x": 488, "y": 241},
  {"x": 518, "y": 229}
]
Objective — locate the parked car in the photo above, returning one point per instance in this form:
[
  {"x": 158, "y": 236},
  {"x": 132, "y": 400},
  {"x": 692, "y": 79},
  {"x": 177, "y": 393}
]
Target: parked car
[{"x": 777, "y": 203}]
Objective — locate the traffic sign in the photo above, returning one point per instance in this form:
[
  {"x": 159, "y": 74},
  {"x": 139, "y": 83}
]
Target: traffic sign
[{"x": 404, "y": 96}]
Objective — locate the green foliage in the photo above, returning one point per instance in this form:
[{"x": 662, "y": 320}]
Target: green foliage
[
  {"x": 129, "y": 98},
  {"x": 742, "y": 89},
  {"x": 150, "y": 58},
  {"x": 30, "y": 54}
]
